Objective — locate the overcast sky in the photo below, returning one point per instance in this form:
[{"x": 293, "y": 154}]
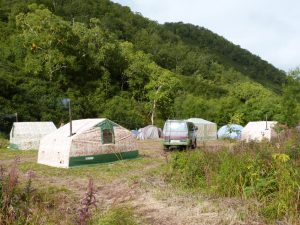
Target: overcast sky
[{"x": 267, "y": 28}]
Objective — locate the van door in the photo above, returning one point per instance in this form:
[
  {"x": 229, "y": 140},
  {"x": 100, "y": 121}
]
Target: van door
[{"x": 175, "y": 131}]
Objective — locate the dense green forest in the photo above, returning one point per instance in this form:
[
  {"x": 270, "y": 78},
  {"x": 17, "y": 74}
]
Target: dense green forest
[{"x": 117, "y": 64}]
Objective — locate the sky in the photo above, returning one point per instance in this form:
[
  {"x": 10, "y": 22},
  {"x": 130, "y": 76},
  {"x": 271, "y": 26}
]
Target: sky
[{"x": 267, "y": 28}]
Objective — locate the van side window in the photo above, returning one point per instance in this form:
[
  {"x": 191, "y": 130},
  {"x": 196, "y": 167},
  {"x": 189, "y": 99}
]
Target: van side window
[{"x": 190, "y": 127}]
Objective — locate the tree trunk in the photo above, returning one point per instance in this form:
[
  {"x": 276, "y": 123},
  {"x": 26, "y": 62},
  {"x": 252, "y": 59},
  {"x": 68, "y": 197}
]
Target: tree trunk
[
  {"x": 154, "y": 105},
  {"x": 153, "y": 112}
]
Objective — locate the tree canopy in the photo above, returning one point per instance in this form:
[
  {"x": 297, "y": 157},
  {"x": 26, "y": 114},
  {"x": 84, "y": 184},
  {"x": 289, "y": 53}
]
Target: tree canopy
[{"x": 114, "y": 63}]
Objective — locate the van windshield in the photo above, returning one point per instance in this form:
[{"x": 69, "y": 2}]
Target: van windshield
[{"x": 176, "y": 126}]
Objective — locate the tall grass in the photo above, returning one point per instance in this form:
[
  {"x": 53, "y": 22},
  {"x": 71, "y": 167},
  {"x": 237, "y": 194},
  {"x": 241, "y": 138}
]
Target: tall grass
[
  {"x": 23, "y": 203},
  {"x": 3, "y": 142},
  {"x": 267, "y": 172},
  {"x": 122, "y": 215}
]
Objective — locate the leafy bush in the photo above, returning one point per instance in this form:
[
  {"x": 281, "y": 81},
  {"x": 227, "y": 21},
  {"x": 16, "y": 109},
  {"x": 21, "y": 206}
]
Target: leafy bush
[
  {"x": 258, "y": 171},
  {"x": 190, "y": 169}
]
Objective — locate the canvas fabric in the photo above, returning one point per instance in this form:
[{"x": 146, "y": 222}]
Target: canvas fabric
[
  {"x": 206, "y": 130},
  {"x": 90, "y": 142},
  {"x": 256, "y": 131},
  {"x": 57, "y": 148},
  {"x": 149, "y": 132},
  {"x": 27, "y": 135}
]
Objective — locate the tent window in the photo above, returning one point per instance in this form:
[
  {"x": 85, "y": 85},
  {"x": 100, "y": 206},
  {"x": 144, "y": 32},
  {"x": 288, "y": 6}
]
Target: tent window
[{"x": 107, "y": 136}]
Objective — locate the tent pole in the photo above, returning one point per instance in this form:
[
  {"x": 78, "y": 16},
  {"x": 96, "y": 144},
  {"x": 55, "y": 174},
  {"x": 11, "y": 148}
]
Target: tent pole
[{"x": 70, "y": 117}]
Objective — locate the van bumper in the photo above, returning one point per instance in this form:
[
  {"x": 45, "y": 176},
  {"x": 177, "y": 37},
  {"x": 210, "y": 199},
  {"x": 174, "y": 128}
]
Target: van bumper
[{"x": 176, "y": 143}]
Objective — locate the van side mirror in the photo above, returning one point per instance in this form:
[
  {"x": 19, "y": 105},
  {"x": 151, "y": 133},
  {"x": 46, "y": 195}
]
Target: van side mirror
[{"x": 196, "y": 128}]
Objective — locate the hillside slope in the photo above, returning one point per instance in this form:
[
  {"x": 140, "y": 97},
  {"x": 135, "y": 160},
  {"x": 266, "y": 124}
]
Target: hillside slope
[
  {"x": 115, "y": 63},
  {"x": 160, "y": 39}
]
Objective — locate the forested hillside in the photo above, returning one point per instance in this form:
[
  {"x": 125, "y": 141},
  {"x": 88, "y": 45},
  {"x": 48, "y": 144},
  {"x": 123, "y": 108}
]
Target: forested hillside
[{"x": 114, "y": 63}]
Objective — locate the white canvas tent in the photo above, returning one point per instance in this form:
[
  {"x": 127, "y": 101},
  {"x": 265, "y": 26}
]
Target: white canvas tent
[
  {"x": 93, "y": 141},
  {"x": 27, "y": 135},
  {"x": 257, "y": 131},
  {"x": 149, "y": 132},
  {"x": 206, "y": 130}
]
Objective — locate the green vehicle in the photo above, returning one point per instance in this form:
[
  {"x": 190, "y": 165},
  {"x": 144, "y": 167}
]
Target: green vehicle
[{"x": 179, "y": 133}]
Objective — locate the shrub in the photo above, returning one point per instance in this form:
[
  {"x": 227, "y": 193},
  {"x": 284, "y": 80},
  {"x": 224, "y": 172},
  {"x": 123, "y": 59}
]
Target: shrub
[
  {"x": 265, "y": 172},
  {"x": 189, "y": 169},
  {"x": 284, "y": 199}
]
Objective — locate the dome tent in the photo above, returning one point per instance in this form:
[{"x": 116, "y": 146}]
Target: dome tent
[
  {"x": 27, "y": 135},
  {"x": 93, "y": 141},
  {"x": 206, "y": 130},
  {"x": 257, "y": 131},
  {"x": 232, "y": 131},
  {"x": 149, "y": 132}
]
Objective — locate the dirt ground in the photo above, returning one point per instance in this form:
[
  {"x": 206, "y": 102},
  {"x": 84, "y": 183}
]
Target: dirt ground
[{"x": 142, "y": 187}]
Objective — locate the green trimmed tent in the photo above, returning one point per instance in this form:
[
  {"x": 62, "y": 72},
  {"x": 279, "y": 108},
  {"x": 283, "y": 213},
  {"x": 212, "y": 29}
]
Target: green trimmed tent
[{"x": 93, "y": 141}]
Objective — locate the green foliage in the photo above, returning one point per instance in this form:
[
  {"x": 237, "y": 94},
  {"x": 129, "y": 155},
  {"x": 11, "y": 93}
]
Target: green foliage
[
  {"x": 188, "y": 169},
  {"x": 123, "y": 111},
  {"x": 289, "y": 105},
  {"x": 266, "y": 172},
  {"x": 96, "y": 52},
  {"x": 187, "y": 106},
  {"x": 46, "y": 38},
  {"x": 161, "y": 90},
  {"x": 236, "y": 118},
  {"x": 229, "y": 54}
]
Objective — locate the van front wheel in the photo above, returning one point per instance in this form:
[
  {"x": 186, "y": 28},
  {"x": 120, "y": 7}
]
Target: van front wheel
[{"x": 194, "y": 145}]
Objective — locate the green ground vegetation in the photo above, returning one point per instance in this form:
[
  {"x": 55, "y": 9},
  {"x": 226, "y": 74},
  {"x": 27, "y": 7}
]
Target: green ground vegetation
[
  {"x": 122, "y": 215},
  {"x": 266, "y": 172}
]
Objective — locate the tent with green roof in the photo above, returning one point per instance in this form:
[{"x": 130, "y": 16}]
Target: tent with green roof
[{"x": 92, "y": 141}]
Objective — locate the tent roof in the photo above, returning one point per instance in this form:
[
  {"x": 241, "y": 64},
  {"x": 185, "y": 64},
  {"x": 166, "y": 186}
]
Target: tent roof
[
  {"x": 78, "y": 127},
  {"x": 150, "y": 126},
  {"x": 231, "y": 126},
  {"x": 260, "y": 124},
  {"x": 199, "y": 121},
  {"x": 230, "y": 131},
  {"x": 33, "y": 127}
]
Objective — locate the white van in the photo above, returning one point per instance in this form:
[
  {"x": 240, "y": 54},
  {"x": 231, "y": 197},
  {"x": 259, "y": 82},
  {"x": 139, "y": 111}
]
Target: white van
[{"x": 179, "y": 133}]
